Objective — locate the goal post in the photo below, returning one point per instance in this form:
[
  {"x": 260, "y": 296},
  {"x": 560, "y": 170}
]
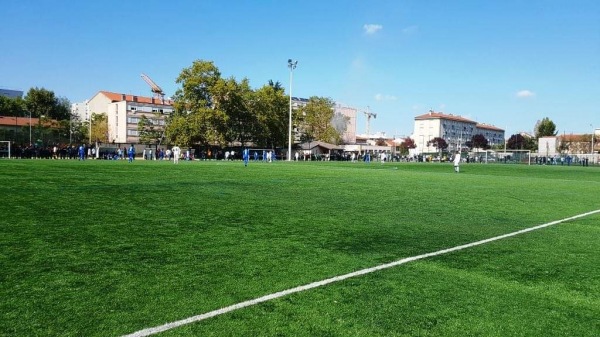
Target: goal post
[
  {"x": 514, "y": 156},
  {"x": 4, "y": 148},
  {"x": 501, "y": 156}
]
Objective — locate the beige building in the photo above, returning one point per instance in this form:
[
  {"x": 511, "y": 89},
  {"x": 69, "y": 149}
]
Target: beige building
[
  {"x": 125, "y": 111},
  {"x": 455, "y": 130},
  {"x": 349, "y": 135}
]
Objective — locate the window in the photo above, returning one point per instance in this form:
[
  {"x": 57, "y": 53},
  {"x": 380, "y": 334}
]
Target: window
[{"x": 132, "y": 132}]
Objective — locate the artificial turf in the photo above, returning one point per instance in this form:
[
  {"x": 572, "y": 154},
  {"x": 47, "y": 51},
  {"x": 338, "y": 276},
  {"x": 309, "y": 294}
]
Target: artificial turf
[{"x": 106, "y": 248}]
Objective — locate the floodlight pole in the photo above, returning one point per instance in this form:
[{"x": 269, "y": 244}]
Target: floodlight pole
[
  {"x": 90, "y": 116},
  {"x": 592, "y": 138},
  {"x": 292, "y": 66},
  {"x": 29, "y": 127}
]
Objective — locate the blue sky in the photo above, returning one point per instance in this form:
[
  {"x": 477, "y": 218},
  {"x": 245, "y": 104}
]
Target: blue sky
[{"x": 506, "y": 63}]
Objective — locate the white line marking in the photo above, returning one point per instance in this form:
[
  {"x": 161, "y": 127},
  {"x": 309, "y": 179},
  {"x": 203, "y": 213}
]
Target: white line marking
[{"x": 172, "y": 325}]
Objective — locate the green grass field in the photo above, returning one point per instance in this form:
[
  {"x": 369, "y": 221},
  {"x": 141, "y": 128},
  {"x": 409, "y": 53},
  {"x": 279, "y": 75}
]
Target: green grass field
[{"x": 107, "y": 248}]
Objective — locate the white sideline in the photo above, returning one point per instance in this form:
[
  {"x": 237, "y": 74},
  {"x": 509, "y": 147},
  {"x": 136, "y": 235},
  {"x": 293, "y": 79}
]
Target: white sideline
[{"x": 168, "y": 326}]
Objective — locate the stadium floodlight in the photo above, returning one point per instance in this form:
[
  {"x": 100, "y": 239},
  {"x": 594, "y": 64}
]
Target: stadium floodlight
[
  {"x": 593, "y": 132},
  {"x": 292, "y": 66}
]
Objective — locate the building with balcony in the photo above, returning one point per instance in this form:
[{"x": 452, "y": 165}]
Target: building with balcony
[
  {"x": 455, "y": 130},
  {"x": 125, "y": 111}
]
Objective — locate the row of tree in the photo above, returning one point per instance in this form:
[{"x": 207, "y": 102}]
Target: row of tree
[
  {"x": 211, "y": 110},
  {"x": 56, "y": 123},
  {"x": 39, "y": 102}
]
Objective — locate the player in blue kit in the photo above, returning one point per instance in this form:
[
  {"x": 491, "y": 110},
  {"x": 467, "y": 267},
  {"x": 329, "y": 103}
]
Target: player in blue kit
[
  {"x": 246, "y": 156},
  {"x": 131, "y": 153}
]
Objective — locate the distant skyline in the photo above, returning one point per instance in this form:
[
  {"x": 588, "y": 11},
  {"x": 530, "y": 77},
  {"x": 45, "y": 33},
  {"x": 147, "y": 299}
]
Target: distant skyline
[{"x": 505, "y": 63}]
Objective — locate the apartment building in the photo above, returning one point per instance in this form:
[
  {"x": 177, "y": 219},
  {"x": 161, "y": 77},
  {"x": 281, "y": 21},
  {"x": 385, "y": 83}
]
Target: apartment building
[
  {"x": 125, "y": 111},
  {"x": 455, "y": 130}
]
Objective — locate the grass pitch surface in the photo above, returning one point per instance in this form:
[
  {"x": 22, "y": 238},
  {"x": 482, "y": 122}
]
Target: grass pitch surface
[{"x": 106, "y": 248}]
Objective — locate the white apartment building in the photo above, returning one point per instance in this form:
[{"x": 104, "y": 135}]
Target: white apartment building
[
  {"x": 125, "y": 111},
  {"x": 455, "y": 130},
  {"x": 81, "y": 110}
]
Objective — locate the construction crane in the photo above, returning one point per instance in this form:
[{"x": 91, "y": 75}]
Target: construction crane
[
  {"x": 158, "y": 92},
  {"x": 369, "y": 114}
]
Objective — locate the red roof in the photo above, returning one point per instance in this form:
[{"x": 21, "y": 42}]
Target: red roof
[
  {"x": 574, "y": 138},
  {"x": 488, "y": 127},
  {"x": 116, "y": 97},
  {"x": 439, "y": 115},
  {"x": 17, "y": 121}
]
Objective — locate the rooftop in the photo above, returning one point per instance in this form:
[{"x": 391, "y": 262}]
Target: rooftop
[{"x": 116, "y": 97}]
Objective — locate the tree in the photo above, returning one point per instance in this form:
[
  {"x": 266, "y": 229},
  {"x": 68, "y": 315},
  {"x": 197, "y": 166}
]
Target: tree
[
  {"x": 270, "y": 107},
  {"x": 41, "y": 102},
  {"x": 12, "y": 106},
  {"x": 518, "y": 142},
  {"x": 198, "y": 103},
  {"x": 545, "y": 128},
  {"x": 79, "y": 130},
  {"x": 99, "y": 128},
  {"x": 478, "y": 142},
  {"x": 180, "y": 130},
  {"x": 407, "y": 144},
  {"x": 316, "y": 118},
  {"x": 233, "y": 99},
  {"x": 439, "y": 143},
  {"x": 149, "y": 132},
  {"x": 275, "y": 85}
]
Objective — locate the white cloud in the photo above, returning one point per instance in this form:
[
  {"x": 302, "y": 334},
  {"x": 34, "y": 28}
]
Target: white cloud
[
  {"x": 525, "y": 94},
  {"x": 382, "y": 97},
  {"x": 371, "y": 29}
]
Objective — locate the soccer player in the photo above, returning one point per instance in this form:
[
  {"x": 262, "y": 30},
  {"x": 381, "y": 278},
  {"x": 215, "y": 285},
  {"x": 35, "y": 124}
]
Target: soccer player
[
  {"x": 176, "y": 153},
  {"x": 246, "y": 156},
  {"x": 457, "y": 162},
  {"x": 130, "y": 153},
  {"x": 81, "y": 152}
]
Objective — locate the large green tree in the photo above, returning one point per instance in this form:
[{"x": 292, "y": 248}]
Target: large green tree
[
  {"x": 316, "y": 119},
  {"x": 233, "y": 99},
  {"x": 545, "y": 128},
  {"x": 149, "y": 131},
  {"x": 42, "y": 102},
  {"x": 270, "y": 107},
  {"x": 12, "y": 107},
  {"x": 99, "y": 128},
  {"x": 198, "y": 104},
  {"x": 518, "y": 142}
]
